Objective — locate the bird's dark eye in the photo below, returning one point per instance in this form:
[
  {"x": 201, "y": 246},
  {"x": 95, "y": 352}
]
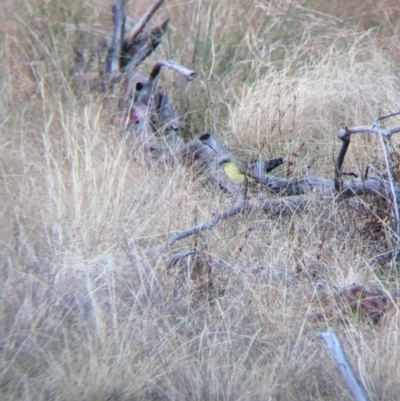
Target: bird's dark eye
[{"x": 139, "y": 86}]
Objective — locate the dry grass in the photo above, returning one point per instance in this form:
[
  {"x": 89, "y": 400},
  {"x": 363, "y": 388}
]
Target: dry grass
[{"x": 89, "y": 309}]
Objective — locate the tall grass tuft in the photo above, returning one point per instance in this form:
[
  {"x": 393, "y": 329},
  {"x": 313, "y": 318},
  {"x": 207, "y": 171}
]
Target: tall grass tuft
[{"x": 89, "y": 308}]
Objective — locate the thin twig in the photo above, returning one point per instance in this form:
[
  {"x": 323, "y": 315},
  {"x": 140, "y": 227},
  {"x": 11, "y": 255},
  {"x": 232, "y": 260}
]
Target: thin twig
[
  {"x": 388, "y": 116},
  {"x": 336, "y": 351}
]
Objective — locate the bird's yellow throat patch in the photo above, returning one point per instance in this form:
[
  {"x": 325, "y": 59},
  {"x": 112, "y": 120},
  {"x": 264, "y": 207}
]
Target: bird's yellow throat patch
[{"x": 233, "y": 172}]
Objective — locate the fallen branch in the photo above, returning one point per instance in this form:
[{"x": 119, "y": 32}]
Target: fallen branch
[
  {"x": 301, "y": 186},
  {"x": 290, "y": 204},
  {"x": 336, "y": 351},
  {"x": 210, "y": 224},
  {"x": 266, "y": 166},
  {"x": 278, "y": 206}
]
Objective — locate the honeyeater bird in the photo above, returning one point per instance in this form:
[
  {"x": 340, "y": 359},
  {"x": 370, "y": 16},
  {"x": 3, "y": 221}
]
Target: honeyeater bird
[{"x": 232, "y": 171}]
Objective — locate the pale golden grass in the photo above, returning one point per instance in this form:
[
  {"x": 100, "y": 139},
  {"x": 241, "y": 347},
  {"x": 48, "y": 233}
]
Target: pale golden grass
[
  {"x": 89, "y": 309},
  {"x": 299, "y": 114}
]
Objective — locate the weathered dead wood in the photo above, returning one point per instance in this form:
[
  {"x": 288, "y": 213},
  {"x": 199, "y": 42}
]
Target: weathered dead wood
[
  {"x": 239, "y": 208},
  {"x": 149, "y": 103},
  {"x": 294, "y": 193},
  {"x": 345, "y": 132},
  {"x": 145, "y": 18},
  {"x": 390, "y": 188},
  {"x": 220, "y": 153},
  {"x": 189, "y": 74},
  {"x": 126, "y": 52},
  {"x": 289, "y": 204},
  {"x": 342, "y": 364},
  {"x": 134, "y": 54},
  {"x": 265, "y": 166},
  {"x": 305, "y": 185},
  {"x": 114, "y": 52},
  {"x": 279, "y": 206},
  {"x": 297, "y": 186}
]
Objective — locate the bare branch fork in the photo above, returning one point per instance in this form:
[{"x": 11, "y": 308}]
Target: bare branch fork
[
  {"x": 289, "y": 190},
  {"x": 138, "y": 27},
  {"x": 391, "y": 192},
  {"x": 271, "y": 206},
  {"x": 129, "y": 49}
]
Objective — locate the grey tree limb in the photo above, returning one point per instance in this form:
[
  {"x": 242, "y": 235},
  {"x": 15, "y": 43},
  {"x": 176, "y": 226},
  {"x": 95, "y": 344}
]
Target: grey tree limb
[
  {"x": 144, "y": 19},
  {"x": 305, "y": 185},
  {"x": 206, "y": 226},
  {"x": 391, "y": 189},
  {"x": 133, "y": 55},
  {"x": 368, "y": 129},
  {"x": 277, "y": 206},
  {"x": 114, "y": 52},
  {"x": 336, "y": 351},
  {"x": 189, "y": 74}
]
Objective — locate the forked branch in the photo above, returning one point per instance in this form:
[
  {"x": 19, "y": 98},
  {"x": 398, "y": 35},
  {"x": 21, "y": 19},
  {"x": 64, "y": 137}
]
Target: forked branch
[
  {"x": 373, "y": 129},
  {"x": 391, "y": 189},
  {"x": 138, "y": 27}
]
